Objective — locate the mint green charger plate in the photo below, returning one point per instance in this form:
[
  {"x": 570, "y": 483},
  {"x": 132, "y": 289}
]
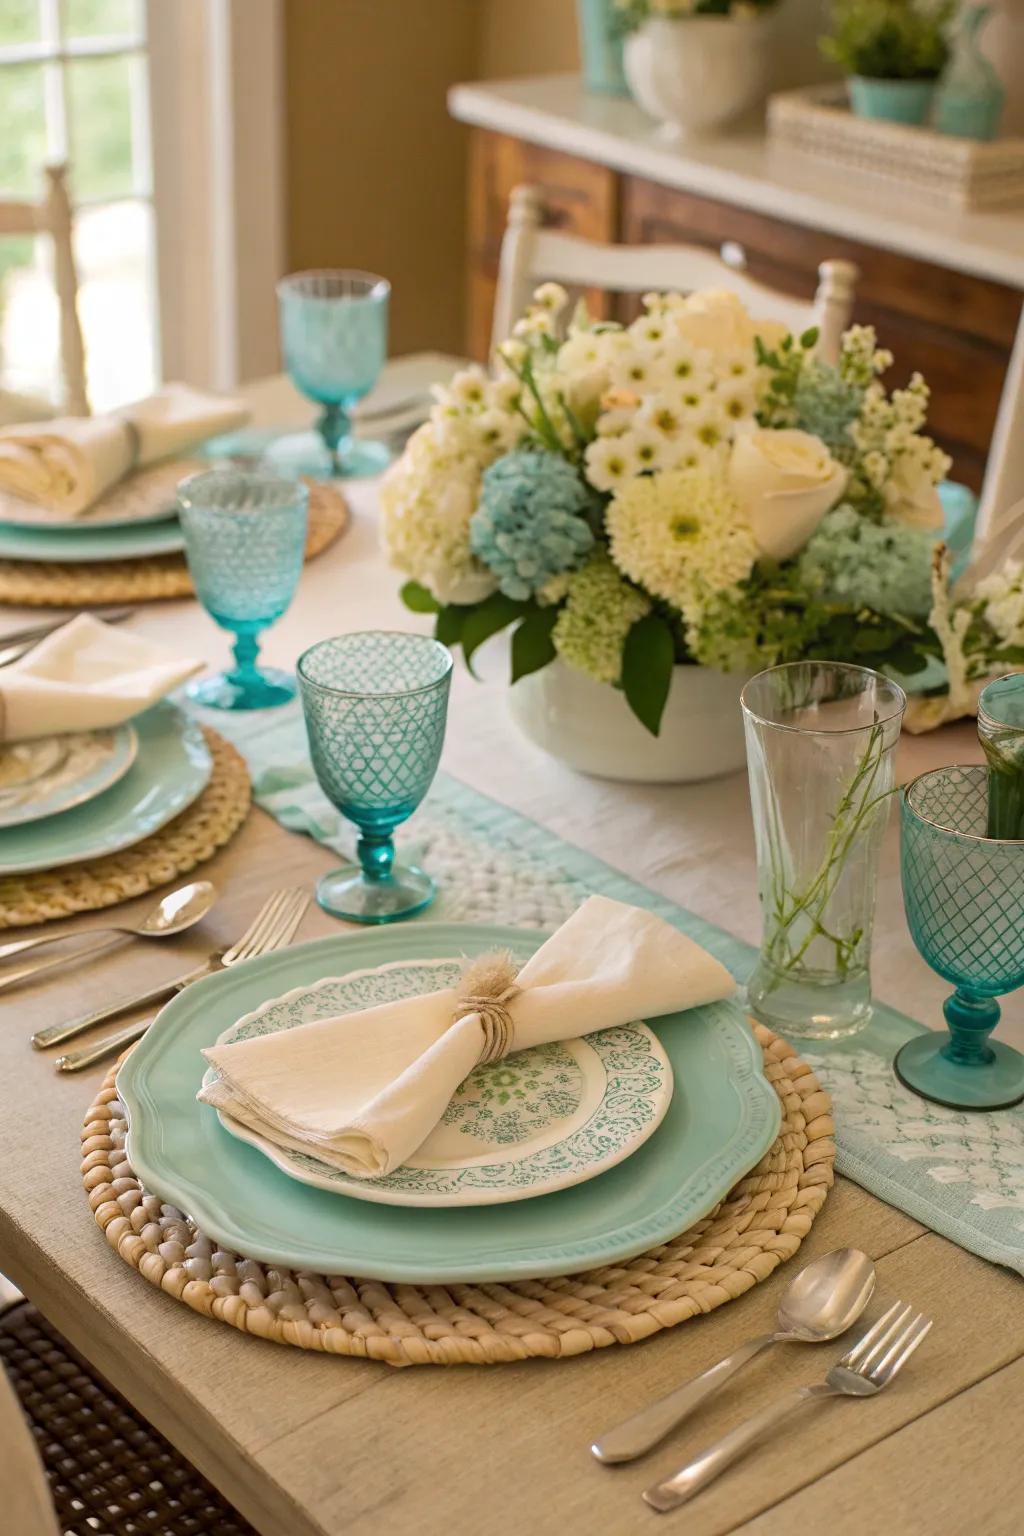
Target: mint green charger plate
[
  {"x": 131, "y": 541},
  {"x": 723, "y": 1117},
  {"x": 171, "y": 769}
]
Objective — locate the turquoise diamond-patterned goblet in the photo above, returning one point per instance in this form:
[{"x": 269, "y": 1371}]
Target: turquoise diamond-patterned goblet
[
  {"x": 964, "y": 895},
  {"x": 245, "y": 540},
  {"x": 376, "y": 705},
  {"x": 334, "y": 336}
]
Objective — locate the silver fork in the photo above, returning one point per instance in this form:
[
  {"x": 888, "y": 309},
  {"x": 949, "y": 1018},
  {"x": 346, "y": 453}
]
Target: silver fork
[
  {"x": 274, "y": 927},
  {"x": 868, "y": 1367}
]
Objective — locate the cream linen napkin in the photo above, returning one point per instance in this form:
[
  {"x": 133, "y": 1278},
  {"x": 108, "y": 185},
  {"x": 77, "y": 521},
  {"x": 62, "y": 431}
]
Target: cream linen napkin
[
  {"x": 363, "y": 1090},
  {"x": 67, "y": 464},
  {"x": 83, "y": 677}
]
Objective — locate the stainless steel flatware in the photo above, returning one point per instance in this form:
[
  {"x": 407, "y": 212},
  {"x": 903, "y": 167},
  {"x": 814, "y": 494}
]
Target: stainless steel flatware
[
  {"x": 868, "y": 1367},
  {"x": 274, "y": 928},
  {"x": 821, "y": 1302},
  {"x": 173, "y": 913},
  {"x": 275, "y": 924}
]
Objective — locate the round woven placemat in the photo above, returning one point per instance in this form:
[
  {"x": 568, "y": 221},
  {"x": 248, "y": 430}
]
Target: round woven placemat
[
  {"x": 39, "y": 584},
  {"x": 188, "y": 840},
  {"x": 760, "y": 1224}
]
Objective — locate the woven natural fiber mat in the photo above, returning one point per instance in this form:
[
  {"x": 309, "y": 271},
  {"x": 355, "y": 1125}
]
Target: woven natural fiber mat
[
  {"x": 38, "y": 584},
  {"x": 757, "y": 1227},
  {"x": 188, "y": 840}
]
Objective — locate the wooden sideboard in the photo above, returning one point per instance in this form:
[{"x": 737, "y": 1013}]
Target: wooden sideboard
[{"x": 953, "y": 326}]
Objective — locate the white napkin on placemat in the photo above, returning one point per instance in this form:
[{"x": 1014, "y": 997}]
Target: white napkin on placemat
[
  {"x": 85, "y": 676},
  {"x": 363, "y": 1090},
  {"x": 67, "y": 464}
]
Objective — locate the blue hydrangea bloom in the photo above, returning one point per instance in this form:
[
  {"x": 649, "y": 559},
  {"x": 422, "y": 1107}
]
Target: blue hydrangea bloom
[
  {"x": 529, "y": 524},
  {"x": 884, "y": 566}
]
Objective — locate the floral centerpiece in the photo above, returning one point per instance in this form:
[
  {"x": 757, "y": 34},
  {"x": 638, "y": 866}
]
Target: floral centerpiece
[{"x": 695, "y": 489}]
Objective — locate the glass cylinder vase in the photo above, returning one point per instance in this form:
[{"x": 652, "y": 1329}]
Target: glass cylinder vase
[
  {"x": 1001, "y": 732},
  {"x": 821, "y": 741}
]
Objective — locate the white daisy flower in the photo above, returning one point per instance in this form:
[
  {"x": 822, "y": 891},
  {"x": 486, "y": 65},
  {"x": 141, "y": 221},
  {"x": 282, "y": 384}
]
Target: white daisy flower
[
  {"x": 469, "y": 388},
  {"x": 611, "y": 462},
  {"x": 551, "y": 296}
]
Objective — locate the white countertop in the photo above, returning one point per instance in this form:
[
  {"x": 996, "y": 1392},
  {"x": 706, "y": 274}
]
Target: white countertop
[{"x": 741, "y": 168}]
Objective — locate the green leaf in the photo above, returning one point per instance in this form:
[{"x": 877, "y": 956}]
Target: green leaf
[
  {"x": 809, "y": 338},
  {"x": 448, "y": 627},
  {"x": 648, "y": 658},
  {"x": 532, "y": 645},
  {"x": 418, "y": 599},
  {"x": 495, "y": 613}
]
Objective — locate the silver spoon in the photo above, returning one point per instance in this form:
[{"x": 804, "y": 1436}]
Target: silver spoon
[
  {"x": 172, "y": 914},
  {"x": 820, "y": 1303}
]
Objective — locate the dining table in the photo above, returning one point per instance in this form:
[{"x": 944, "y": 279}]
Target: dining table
[{"x": 310, "y": 1445}]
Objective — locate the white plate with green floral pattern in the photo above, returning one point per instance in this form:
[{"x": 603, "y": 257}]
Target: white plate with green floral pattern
[{"x": 538, "y": 1121}]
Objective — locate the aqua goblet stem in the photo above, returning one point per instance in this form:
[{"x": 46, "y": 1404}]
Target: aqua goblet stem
[
  {"x": 335, "y": 427},
  {"x": 376, "y": 851},
  {"x": 971, "y": 1020},
  {"x": 245, "y": 674}
]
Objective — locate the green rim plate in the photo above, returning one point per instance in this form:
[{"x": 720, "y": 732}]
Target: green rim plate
[
  {"x": 171, "y": 768},
  {"x": 77, "y": 545},
  {"x": 723, "y": 1118}
]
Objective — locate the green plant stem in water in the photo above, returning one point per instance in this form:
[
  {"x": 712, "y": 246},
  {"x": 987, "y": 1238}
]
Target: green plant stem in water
[
  {"x": 797, "y": 918},
  {"x": 1004, "y": 752}
]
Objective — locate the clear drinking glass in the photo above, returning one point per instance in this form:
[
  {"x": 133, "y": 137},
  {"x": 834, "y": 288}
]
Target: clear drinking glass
[
  {"x": 820, "y": 753},
  {"x": 334, "y": 335},
  {"x": 964, "y": 895},
  {"x": 376, "y": 704},
  {"x": 1001, "y": 729},
  {"x": 245, "y": 540}
]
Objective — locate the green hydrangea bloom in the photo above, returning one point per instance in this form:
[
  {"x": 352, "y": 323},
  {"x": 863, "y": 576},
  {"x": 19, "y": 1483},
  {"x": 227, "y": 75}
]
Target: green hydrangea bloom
[
  {"x": 599, "y": 612},
  {"x": 883, "y": 566},
  {"x": 530, "y": 522}
]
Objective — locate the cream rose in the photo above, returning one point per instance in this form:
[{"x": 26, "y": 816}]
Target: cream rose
[
  {"x": 785, "y": 481},
  {"x": 911, "y": 495},
  {"x": 717, "y": 321}
]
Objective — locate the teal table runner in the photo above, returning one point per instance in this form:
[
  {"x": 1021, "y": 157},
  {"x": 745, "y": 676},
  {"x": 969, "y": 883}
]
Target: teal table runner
[{"x": 961, "y": 1175}]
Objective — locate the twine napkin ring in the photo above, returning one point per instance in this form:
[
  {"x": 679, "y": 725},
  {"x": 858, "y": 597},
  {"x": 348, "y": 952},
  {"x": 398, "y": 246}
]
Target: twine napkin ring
[{"x": 487, "y": 988}]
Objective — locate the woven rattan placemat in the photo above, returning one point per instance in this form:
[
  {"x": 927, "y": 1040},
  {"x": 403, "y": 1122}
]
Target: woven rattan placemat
[
  {"x": 33, "y": 583},
  {"x": 760, "y": 1224},
  {"x": 188, "y": 840}
]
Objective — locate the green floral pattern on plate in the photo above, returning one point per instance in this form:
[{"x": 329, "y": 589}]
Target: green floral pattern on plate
[{"x": 538, "y": 1121}]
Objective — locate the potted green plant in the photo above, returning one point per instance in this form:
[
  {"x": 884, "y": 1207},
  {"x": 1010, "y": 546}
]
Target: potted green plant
[{"x": 892, "y": 52}]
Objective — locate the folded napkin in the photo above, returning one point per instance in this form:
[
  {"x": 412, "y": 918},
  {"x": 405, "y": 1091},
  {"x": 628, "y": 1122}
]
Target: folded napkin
[
  {"x": 83, "y": 677},
  {"x": 67, "y": 464},
  {"x": 363, "y": 1090}
]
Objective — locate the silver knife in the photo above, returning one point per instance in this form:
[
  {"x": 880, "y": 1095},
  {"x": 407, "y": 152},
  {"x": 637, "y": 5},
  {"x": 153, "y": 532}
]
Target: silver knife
[{"x": 56, "y": 1034}]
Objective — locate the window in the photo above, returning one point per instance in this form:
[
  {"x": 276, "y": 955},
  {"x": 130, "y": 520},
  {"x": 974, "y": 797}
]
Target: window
[{"x": 74, "y": 86}]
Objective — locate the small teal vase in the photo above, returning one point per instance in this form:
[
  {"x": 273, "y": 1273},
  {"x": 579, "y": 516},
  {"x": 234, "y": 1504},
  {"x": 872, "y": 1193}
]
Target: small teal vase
[
  {"x": 376, "y": 704},
  {"x": 970, "y": 98},
  {"x": 964, "y": 897},
  {"x": 601, "y": 48},
  {"x": 893, "y": 101}
]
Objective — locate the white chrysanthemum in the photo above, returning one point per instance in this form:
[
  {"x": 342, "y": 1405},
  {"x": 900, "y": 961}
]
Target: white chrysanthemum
[
  {"x": 583, "y": 352},
  {"x": 709, "y": 424},
  {"x": 681, "y": 536},
  {"x": 688, "y": 452},
  {"x": 737, "y": 401},
  {"x": 610, "y": 462},
  {"x": 469, "y": 388},
  {"x": 649, "y": 331},
  {"x": 426, "y": 501},
  {"x": 636, "y": 369},
  {"x": 687, "y": 368},
  {"x": 662, "y": 413}
]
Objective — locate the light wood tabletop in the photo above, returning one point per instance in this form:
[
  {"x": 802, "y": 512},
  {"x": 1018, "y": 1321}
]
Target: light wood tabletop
[{"x": 310, "y": 1446}]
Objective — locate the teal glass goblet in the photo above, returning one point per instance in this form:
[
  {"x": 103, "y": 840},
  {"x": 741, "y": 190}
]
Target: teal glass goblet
[
  {"x": 376, "y": 704},
  {"x": 334, "y": 336},
  {"x": 245, "y": 541},
  {"x": 964, "y": 897}
]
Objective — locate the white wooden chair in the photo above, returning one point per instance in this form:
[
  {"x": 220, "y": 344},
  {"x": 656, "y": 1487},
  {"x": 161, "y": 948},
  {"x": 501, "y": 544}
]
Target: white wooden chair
[
  {"x": 1001, "y": 507},
  {"x": 531, "y": 254},
  {"x": 52, "y": 216}
]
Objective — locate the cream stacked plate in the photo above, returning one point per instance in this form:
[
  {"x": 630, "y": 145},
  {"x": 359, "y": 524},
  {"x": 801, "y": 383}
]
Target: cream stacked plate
[{"x": 135, "y": 518}]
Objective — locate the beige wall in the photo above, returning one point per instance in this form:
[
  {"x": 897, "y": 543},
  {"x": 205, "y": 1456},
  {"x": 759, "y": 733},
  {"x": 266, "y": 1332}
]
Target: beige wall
[
  {"x": 375, "y": 167},
  {"x": 527, "y": 37}
]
